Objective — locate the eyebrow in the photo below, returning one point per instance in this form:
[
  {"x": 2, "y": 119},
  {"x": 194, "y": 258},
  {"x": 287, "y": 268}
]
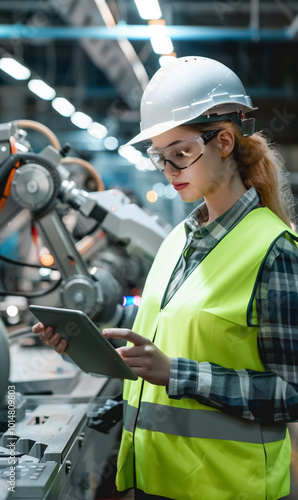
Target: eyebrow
[{"x": 171, "y": 144}]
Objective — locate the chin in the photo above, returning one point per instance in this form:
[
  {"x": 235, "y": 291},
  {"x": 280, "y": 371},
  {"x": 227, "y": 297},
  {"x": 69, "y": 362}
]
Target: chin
[{"x": 189, "y": 198}]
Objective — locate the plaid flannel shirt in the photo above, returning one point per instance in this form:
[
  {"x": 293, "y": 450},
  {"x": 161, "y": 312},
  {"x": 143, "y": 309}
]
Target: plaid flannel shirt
[{"x": 270, "y": 396}]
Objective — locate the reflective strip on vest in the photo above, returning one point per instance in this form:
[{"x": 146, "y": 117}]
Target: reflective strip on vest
[
  {"x": 129, "y": 416},
  {"x": 205, "y": 424}
]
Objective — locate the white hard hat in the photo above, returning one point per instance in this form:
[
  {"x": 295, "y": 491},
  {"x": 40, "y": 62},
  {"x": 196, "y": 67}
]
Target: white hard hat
[{"x": 191, "y": 89}]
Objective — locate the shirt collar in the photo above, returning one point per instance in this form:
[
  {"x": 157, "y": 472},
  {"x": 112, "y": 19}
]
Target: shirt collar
[{"x": 223, "y": 223}]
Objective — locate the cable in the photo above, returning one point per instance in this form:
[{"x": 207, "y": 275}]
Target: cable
[
  {"x": 33, "y": 125},
  {"x": 33, "y": 295},
  {"x": 9, "y": 163},
  {"x": 7, "y": 187},
  {"x": 25, "y": 264},
  {"x": 88, "y": 166}
]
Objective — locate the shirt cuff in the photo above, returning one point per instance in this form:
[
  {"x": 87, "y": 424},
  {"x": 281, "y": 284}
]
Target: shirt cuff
[
  {"x": 189, "y": 378},
  {"x": 173, "y": 382}
]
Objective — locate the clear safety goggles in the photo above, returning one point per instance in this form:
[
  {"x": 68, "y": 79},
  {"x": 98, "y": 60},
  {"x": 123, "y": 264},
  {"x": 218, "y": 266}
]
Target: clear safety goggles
[{"x": 181, "y": 154}]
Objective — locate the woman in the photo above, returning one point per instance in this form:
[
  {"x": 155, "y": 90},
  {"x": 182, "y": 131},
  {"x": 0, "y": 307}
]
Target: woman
[{"x": 215, "y": 341}]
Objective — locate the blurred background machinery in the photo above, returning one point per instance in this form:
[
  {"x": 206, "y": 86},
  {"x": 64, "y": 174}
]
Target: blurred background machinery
[
  {"x": 87, "y": 250},
  {"x": 80, "y": 224}
]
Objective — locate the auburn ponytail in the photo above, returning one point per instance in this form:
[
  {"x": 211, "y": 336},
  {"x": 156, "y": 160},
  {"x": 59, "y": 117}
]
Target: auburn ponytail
[{"x": 261, "y": 166}]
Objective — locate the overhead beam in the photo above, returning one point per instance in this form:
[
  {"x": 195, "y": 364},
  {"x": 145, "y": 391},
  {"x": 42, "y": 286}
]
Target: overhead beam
[
  {"x": 137, "y": 32},
  {"x": 202, "y": 7},
  {"x": 207, "y": 7},
  {"x": 116, "y": 57},
  {"x": 293, "y": 28},
  {"x": 254, "y": 15}
]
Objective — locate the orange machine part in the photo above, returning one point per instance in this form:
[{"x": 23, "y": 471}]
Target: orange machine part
[{"x": 7, "y": 188}]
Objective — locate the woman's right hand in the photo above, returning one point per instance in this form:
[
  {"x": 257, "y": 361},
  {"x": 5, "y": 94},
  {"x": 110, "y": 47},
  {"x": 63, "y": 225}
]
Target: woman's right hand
[{"x": 47, "y": 336}]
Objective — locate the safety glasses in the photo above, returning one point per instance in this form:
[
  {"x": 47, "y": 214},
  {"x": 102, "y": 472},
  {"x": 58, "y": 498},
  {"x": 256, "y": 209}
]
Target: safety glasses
[{"x": 181, "y": 154}]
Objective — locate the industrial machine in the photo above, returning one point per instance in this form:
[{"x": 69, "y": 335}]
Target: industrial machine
[{"x": 60, "y": 426}]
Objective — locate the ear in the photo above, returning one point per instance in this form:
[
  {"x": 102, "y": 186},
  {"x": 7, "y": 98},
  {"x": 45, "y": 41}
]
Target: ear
[{"x": 226, "y": 142}]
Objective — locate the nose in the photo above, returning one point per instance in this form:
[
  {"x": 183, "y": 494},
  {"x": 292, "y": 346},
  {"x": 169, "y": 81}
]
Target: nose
[{"x": 171, "y": 171}]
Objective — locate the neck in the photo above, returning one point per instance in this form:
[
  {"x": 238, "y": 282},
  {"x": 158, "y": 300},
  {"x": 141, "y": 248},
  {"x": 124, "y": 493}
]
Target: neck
[{"x": 224, "y": 198}]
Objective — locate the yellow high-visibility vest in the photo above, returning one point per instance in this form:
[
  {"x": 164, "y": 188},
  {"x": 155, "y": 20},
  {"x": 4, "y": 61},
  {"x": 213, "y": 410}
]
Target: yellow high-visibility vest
[{"x": 179, "y": 448}]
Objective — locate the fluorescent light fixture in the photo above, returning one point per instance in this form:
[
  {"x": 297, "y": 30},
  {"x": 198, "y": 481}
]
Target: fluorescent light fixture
[
  {"x": 97, "y": 130},
  {"x": 63, "y": 106},
  {"x": 170, "y": 192},
  {"x": 125, "y": 151},
  {"x": 163, "y": 60},
  {"x": 12, "y": 311},
  {"x": 150, "y": 165},
  {"x": 130, "y": 153},
  {"x": 161, "y": 44},
  {"x": 152, "y": 196},
  {"x": 41, "y": 89},
  {"x": 144, "y": 164},
  {"x": 111, "y": 143},
  {"x": 14, "y": 68},
  {"x": 81, "y": 120},
  {"x": 45, "y": 271},
  {"x": 159, "y": 188},
  {"x": 148, "y": 9}
]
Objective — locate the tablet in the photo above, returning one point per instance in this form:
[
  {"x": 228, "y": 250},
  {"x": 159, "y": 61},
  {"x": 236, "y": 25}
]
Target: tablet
[{"x": 87, "y": 347}]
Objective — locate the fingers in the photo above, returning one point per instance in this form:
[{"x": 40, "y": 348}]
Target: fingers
[
  {"x": 46, "y": 335},
  {"x": 56, "y": 342},
  {"x": 124, "y": 334},
  {"x": 134, "y": 363},
  {"x": 61, "y": 346},
  {"x": 130, "y": 352},
  {"x": 38, "y": 328},
  {"x": 148, "y": 362}
]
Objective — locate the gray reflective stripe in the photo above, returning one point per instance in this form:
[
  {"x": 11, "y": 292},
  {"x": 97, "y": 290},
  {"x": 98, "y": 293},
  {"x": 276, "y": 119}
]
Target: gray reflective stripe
[
  {"x": 205, "y": 424},
  {"x": 129, "y": 416}
]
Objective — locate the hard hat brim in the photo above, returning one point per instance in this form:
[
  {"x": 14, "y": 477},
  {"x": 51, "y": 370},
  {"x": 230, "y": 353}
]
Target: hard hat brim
[
  {"x": 160, "y": 128},
  {"x": 154, "y": 131}
]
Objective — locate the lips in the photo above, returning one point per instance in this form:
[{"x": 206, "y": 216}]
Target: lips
[{"x": 179, "y": 187}]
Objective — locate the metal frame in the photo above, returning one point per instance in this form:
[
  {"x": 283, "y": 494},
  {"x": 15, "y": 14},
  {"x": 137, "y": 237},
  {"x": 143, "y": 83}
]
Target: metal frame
[{"x": 136, "y": 32}]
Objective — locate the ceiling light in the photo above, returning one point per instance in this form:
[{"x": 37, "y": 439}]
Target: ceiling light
[
  {"x": 41, "y": 89},
  {"x": 163, "y": 60},
  {"x": 14, "y": 68},
  {"x": 159, "y": 188},
  {"x": 81, "y": 120},
  {"x": 125, "y": 151},
  {"x": 97, "y": 130},
  {"x": 152, "y": 196},
  {"x": 44, "y": 272},
  {"x": 170, "y": 192},
  {"x": 12, "y": 311},
  {"x": 63, "y": 106},
  {"x": 148, "y": 9},
  {"x": 161, "y": 44},
  {"x": 144, "y": 164},
  {"x": 111, "y": 143},
  {"x": 132, "y": 154},
  {"x": 47, "y": 260}
]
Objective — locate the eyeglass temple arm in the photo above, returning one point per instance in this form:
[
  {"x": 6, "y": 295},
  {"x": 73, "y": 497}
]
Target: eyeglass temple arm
[{"x": 209, "y": 135}]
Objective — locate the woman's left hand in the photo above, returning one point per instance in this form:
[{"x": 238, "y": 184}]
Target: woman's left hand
[{"x": 144, "y": 358}]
